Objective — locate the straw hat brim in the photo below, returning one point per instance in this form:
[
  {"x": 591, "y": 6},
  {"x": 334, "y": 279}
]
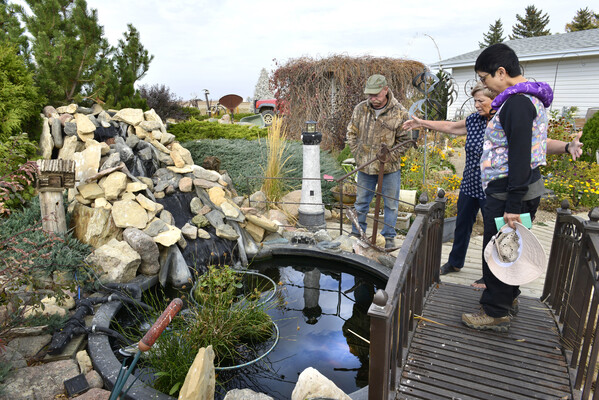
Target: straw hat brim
[{"x": 530, "y": 264}]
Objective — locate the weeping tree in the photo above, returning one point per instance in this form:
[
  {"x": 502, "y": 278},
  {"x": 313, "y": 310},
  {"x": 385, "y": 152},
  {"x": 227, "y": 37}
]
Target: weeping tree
[{"x": 327, "y": 90}]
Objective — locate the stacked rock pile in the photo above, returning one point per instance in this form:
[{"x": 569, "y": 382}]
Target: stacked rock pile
[{"x": 127, "y": 168}]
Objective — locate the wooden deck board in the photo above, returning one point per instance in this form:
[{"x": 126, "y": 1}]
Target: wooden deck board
[{"x": 451, "y": 361}]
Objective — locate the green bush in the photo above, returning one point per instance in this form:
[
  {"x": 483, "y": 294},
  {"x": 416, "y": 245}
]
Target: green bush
[
  {"x": 192, "y": 112},
  {"x": 245, "y": 161},
  {"x": 194, "y": 130},
  {"x": 31, "y": 256},
  {"x": 16, "y": 174},
  {"x": 590, "y": 138},
  {"x": 20, "y": 100}
]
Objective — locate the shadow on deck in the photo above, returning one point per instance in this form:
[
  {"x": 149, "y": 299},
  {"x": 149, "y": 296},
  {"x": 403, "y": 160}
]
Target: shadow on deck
[{"x": 448, "y": 360}]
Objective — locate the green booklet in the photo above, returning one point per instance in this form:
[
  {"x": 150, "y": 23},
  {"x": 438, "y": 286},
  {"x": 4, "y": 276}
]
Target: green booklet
[{"x": 525, "y": 218}]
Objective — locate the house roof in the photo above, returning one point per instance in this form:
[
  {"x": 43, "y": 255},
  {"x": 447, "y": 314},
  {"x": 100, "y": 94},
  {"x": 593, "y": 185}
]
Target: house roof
[{"x": 573, "y": 44}]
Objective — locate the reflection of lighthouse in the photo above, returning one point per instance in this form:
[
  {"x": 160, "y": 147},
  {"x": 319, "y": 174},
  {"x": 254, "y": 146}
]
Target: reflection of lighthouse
[
  {"x": 312, "y": 310},
  {"x": 311, "y": 209}
]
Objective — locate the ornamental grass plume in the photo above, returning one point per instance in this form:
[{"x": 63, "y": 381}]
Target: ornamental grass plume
[{"x": 276, "y": 141}]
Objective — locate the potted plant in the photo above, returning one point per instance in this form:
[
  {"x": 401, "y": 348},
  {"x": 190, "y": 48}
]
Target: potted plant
[{"x": 349, "y": 192}]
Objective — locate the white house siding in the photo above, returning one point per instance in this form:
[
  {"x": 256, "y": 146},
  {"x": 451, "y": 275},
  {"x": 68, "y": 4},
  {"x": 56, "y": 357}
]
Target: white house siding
[{"x": 575, "y": 82}]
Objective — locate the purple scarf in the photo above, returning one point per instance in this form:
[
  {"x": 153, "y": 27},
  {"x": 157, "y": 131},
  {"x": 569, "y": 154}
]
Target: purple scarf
[{"x": 540, "y": 90}]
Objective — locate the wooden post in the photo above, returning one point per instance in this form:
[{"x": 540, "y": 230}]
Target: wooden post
[{"x": 53, "y": 177}]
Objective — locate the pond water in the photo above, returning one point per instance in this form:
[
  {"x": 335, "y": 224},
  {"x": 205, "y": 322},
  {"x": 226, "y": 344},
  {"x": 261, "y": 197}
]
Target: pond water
[
  {"x": 318, "y": 309},
  {"x": 321, "y": 315}
]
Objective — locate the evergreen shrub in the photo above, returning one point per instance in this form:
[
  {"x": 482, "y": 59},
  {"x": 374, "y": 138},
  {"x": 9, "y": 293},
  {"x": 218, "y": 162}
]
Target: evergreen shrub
[
  {"x": 590, "y": 138},
  {"x": 243, "y": 159},
  {"x": 195, "y": 130}
]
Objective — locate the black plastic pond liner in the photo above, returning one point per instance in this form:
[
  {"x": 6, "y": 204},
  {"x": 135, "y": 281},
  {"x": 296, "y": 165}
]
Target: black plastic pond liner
[{"x": 199, "y": 253}]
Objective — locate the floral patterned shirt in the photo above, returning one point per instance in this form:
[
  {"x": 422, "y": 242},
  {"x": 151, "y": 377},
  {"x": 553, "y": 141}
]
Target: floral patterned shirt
[
  {"x": 494, "y": 160},
  {"x": 475, "y": 133}
]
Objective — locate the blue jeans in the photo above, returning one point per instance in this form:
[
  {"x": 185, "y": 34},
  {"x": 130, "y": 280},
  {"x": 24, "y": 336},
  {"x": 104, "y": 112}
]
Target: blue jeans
[
  {"x": 467, "y": 209},
  {"x": 365, "y": 193}
]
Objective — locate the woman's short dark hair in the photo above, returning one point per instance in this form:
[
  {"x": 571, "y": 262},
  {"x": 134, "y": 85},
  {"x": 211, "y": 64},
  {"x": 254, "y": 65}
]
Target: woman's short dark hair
[{"x": 498, "y": 55}]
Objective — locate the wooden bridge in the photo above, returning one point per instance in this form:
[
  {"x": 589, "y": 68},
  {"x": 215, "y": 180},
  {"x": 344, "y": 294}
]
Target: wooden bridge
[{"x": 420, "y": 349}]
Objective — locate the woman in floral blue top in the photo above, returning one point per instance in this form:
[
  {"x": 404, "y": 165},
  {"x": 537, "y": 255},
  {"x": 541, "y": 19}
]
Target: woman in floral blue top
[{"x": 472, "y": 197}]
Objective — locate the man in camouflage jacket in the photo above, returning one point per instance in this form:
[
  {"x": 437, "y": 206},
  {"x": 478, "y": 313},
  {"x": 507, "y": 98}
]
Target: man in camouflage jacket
[{"x": 375, "y": 121}]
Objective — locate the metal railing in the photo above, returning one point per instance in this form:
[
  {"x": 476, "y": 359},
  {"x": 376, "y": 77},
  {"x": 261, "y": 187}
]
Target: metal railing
[
  {"x": 394, "y": 308},
  {"x": 572, "y": 291}
]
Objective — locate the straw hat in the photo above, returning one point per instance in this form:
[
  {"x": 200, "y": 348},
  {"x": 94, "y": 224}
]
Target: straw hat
[{"x": 515, "y": 257}]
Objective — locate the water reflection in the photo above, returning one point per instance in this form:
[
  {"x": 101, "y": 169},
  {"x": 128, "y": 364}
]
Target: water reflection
[{"x": 320, "y": 314}]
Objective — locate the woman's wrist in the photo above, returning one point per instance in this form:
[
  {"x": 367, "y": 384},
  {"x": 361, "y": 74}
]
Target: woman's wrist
[{"x": 566, "y": 149}]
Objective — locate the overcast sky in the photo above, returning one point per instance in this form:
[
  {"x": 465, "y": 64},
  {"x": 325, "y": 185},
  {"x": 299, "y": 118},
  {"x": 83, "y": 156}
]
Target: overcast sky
[{"x": 222, "y": 45}]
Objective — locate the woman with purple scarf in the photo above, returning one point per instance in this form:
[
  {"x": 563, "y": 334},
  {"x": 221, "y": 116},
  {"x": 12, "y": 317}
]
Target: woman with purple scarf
[{"x": 514, "y": 147}]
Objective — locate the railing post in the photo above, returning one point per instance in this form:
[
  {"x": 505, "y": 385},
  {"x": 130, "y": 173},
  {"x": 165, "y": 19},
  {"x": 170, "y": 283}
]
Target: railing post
[
  {"x": 551, "y": 281},
  {"x": 380, "y": 345}
]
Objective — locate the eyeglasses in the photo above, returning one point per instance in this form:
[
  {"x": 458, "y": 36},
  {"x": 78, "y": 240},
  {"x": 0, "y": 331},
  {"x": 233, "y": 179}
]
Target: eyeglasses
[{"x": 482, "y": 79}]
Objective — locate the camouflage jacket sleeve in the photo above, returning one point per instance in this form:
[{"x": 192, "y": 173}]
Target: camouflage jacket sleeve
[{"x": 352, "y": 133}]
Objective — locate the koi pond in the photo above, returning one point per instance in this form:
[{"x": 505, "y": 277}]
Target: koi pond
[{"x": 320, "y": 308}]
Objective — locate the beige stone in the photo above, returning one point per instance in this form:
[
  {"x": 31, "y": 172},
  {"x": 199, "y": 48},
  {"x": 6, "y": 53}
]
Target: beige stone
[
  {"x": 262, "y": 222},
  {"x": 217, "y": 195},
  {"x": 201, "y": 379},
  {"x": 85, "y": 128},
  {"x": 83, "y": 200},
  {"x": 114, "y": 185},
  {"x": 128, "y": 196},
  {"x": 146, "y": 203},
  {"x": 131, "y": 116},
  {"x": 202, "y": 234},
  {"x": 46, "y": 140},
  {"x": 101, "y": 202},
  {"x": 84, "y": 361},
  {"x": 160, "y": 146},
  {"x": 117, "y": 260},
  {"x": 69, "y": 146},
  {"x": 94, "y": 226},
  {"x": 256, "y": 232},
  {"x": 152, "y": 116},
  {"x": 312, "y": 384},
  {"x": 177, "y": 159},
  {"x": 68, "y": 302},
  {"x": 141, "y": 132},
  {"x": 104, "y": 148},
  {"x": 87, "y": 162},
  {"x": 230, "y": 210},
  {"x": 185, "y": 170},
  {"x": 168, "y": 238},
  {"x": 185, "y": 184},
  {"x": 128, "y": 213},
  {"x": 134, "y": 187},
  {"x": 183, "y": 152},
  {"x": 156, "y": 135},
  {"x": 72, "y": 108},
  {"x": 290, "y": 203},
  {"x": 90, "y": 191}
]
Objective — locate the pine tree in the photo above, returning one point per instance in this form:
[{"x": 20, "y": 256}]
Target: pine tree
[
  {"x": 11, "y": 31},
  {"x": 531, "y": 25},
  {"x": 583, "y": 20},
  {"x": 131, "y": 63},
  {"x": 19, "y": 98},
  {"x": 66, "y": 44},
  {"x": 495, "y": 35},
  {"x": 262, "y": 89}
]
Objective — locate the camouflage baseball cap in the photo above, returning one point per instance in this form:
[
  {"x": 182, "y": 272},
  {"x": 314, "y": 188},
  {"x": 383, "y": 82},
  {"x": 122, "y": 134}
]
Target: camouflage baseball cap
[{"x": 375, "y": 84}]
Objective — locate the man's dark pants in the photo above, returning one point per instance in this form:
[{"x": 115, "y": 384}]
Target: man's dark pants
[{"x": 498, "y": 296}]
